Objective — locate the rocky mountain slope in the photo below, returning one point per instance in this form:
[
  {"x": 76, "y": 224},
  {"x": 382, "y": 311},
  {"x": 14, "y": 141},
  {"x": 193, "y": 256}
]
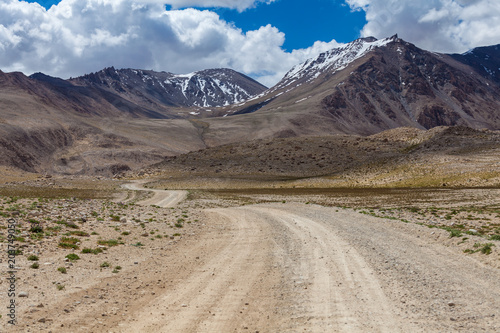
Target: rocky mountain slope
[
  {"x": 84, "y": 125},
  {"x": 207, "y": 88},
  {"x": 370, "y": 85},
  {"x": 484, "y": 60}
]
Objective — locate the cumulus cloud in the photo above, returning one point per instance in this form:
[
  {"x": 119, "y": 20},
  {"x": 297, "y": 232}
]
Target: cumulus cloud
[
  {"x": 81, "y": 36},
  {"x": 240, "y": 5},
  {"x": 438, "y": 25}
]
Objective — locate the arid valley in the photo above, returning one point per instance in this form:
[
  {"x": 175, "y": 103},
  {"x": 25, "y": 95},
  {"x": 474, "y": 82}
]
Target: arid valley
[{"x": 360, "y": 193}]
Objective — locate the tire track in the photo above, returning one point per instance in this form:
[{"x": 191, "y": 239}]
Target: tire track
[{"x": 342, "y": 292}]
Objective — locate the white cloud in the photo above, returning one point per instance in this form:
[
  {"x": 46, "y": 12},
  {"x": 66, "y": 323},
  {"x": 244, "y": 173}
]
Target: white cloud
[
  {"x": 240, "y": 5},
  {"x": 438, "y": 25},
  {"x": 82, "y": 36}
]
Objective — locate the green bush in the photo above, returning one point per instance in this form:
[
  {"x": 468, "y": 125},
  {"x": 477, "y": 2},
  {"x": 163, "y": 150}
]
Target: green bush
[{"x": 73, "y": 256}]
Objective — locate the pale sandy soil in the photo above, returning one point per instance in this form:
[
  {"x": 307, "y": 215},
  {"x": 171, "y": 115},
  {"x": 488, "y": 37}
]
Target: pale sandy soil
[{"x": 274, "y": 267}]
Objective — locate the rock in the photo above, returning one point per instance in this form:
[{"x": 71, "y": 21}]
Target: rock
[
  {"x": 40, "y": 305},
  {"x": 451, "y": 304},
  {"x": 23, "y": 294},
  {"x": 474, "y": 231},
  {"x": 42, "y": 320}
]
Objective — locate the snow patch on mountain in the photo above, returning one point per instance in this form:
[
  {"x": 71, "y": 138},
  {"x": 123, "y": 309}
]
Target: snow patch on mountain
[
  {"x": 207, "y": 88},
  {"x": 331, "y": 61}
]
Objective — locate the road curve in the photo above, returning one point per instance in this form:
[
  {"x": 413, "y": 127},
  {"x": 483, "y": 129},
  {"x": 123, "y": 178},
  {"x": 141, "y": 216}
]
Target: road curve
[
  {"x": 162, "y": 198},
  {"x": 307, "y": 268}
]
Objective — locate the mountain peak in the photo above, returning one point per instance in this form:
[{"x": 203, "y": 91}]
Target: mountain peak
[
  {"x": 333, "y": 60},
  {"x": 205, "y": 88}
]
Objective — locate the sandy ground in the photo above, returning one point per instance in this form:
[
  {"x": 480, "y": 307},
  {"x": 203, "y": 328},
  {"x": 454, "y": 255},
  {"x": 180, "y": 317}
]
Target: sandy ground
[{"x": 284, "y": 267}]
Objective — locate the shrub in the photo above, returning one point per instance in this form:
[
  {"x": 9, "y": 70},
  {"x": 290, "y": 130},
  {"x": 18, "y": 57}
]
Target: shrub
[
  {"x": 105, "y": 264},
  {"x": 33, "y": 258},
  {"x": 69, "y": 243},
  {"x": 62, "y": 270},
  {"x": 495, "y": 237},
  {"x": 68, "y": 224},
  {"x": 35, "y": 265},
  {"x": 484, "y": 248},
  {"x": 110, "y": 242},
  {"x": 36, "y": 229},
  {"x": 79, "y": 233},
  {"x": 93, "y": 251},
  {"x": 72, "y": 256}
]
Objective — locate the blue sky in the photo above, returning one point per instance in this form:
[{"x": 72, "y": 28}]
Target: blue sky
[
  {"x": 302, "y": 21},
  {"x": 260, "y": 38}
]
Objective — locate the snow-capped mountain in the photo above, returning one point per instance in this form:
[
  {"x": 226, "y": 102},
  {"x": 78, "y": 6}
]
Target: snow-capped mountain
[
  {"x": 331, "y": 61},
  {"x": 207, "y": 88},
  {"x": 371, "y": 85}
]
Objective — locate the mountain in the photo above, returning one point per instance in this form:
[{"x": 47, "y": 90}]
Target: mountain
[
  {"x": 115, "y": 120},
  {"x": 207, "y": 88},
  {"x": 485, "y": 60},
  {"x": 371, "y": 85},
  {"x": 110, "y": 121}
]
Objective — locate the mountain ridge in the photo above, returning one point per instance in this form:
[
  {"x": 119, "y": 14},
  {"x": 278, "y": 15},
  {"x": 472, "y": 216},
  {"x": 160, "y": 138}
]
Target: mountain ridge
[
  {"x": 206, "y": 88},
  {"x": 117, "y": 120},
  {"x": 372, "y": 85}
]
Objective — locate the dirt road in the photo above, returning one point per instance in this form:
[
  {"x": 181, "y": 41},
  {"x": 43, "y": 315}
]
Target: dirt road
[
  {"x": 160, "y": 198},
  {"x": 284, "y": 268}
]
